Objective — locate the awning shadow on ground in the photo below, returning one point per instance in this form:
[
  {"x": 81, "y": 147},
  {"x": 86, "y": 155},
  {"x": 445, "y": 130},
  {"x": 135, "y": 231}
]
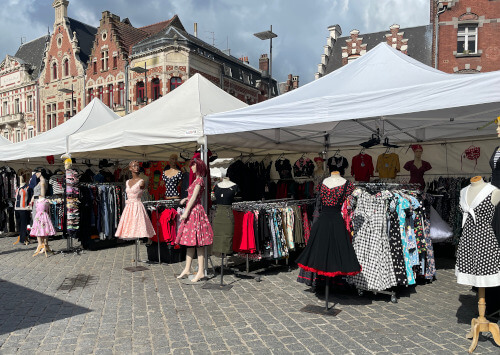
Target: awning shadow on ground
[{"x": 21, "y": 308}]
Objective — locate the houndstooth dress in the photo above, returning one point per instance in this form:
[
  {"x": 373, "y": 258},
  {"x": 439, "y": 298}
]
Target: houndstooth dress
[
  {"x": 478, "y": 254},
  {"x": 371, "y": 243}
]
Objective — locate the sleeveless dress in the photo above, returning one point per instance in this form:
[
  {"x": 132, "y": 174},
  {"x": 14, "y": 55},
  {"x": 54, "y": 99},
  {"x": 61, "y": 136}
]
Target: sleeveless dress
[
  {"x": 134, "y": 222},
  {"x": 329, "y": 251},
  {"x": 478, "y": 253},
  {"x": 195, "y": 230},
  {"x": 42, "y": 226}
]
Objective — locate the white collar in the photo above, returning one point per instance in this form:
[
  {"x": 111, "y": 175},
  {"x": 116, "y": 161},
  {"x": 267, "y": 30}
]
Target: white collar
[{"x": 469, "y": 209}]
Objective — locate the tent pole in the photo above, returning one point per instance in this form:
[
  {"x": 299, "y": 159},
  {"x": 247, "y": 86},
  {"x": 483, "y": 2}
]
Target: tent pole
[{"x": 204, "y": 156}]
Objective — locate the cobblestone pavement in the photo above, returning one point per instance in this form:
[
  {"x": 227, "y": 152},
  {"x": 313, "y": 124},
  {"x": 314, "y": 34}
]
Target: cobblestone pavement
[{"x": 88, "y": 303}]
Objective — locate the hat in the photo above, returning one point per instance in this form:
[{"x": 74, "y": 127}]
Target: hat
[
  {"x": 415, "y": 147},
  {"x": 50, "y": 159},
  {"x": 319, "y": 159},
  {"x": 38, "y": 169},
  {"x": 103, "y": 163}
]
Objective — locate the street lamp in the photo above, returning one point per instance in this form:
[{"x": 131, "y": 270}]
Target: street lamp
[
  {"x": 140, "y": 71},
  {"x": 68, "y": 91},
  {"x": 264, "y": 36}
]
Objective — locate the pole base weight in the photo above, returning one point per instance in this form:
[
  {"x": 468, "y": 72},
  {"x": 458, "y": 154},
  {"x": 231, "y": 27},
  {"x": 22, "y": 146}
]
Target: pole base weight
[
  {"x": 135, "y": 268},
  {"x": 212, "y": 286},
  {"x": 321, "y": 310}
]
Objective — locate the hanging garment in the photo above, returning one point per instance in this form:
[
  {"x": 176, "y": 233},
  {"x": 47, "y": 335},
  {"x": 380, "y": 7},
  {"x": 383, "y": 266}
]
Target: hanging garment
[
  {"x": 223, "y": 228},
  {"x": 195, "y": 230},
  {"x": 396, "y": 246},
  {"x": 478, "y": 254},
  {"x": 134, "y": 222},
  {"x": 371, "y": 243},
  {"x": 402, "y": 206},
  {"x": 42, "y": 226},
  {"x": 329, "y": 251},
  {"x": 362, "y": 167},
  {"x": 388, "y": 166}
]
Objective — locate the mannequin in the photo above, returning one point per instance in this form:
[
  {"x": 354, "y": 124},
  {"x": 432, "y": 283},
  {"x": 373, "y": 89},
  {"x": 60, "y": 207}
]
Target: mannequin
[
  {"x": 134, "y": 221},
  {"x": 417, "y": 167},
  {"x": 478, "y": 201},
  {"x": 22, "y": 209},
  {"x": 42, "y": 225},
  {"x": 172, "y": 177},
  {"x": 195, "y": 230}
]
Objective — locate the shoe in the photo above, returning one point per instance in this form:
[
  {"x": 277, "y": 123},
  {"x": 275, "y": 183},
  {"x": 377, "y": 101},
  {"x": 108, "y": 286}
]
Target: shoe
[{"x": 17, "y": 241}]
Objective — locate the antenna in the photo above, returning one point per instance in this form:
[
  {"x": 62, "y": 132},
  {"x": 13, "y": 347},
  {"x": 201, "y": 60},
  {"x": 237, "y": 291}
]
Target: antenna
[{"x": 213, "y": 37}]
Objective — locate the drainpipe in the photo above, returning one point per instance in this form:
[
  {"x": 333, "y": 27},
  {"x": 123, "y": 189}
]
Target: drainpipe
[
  {"x": 126, "y": 87},
  {"x": 436, "y": 31}
]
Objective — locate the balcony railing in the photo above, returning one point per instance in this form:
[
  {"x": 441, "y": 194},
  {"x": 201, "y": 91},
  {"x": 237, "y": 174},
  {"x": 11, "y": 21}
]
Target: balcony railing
[{"x": 12, "y": 118}]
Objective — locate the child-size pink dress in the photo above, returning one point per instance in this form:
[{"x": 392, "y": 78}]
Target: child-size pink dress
[
  {"x": 195, "y": 230},
  {"x": 134, "y": 222},
  {"x": 42, "y": 226}
]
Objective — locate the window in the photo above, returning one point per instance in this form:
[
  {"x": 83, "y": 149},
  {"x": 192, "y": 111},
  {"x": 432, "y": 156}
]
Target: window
[
  {"x": 16, "y": 106},
  {"x": 91, "y": 94},
  {"x": 94, "y": 66},
  {"x": 54, "y": 108},
  {"x": 31, "y": 132},
  {"x": 54, "y": 71},
  {"x": 74, "y": 107},
  {"x": 140, "y": 92},
  {"x": 467, "y": 39},
  {"x": 6, "y": 134},
  {"x": 121, "y": 94},
  {"x": 30, "y": 103},
  {"x": 115, "y": 62},
  {"x": 49, "y": 121},
  {"x": 67, "y": 114},
  {"x": 104, "y": 60},
  {"x": 18, "y": 135},
  {"x": 99, "y": 93},
  {"x": 175, "y": 82},
  {"x": 66, "y": 67},
  {"x": 54, "y": 120},
  {"x": 5, "y": 109},
  {"x": 155, "y": 88},
  {"x": 110, "y": 95}
]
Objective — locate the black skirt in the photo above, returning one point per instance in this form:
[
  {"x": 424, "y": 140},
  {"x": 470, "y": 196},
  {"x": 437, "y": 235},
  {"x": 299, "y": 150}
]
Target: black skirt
[{"x": 329, "y": 251}]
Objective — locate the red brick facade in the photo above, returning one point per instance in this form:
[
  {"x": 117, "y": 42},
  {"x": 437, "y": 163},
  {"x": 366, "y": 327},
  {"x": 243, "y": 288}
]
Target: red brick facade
[
  {"x": 354, "y": 47},
  {"x": 476, "y": 22}
]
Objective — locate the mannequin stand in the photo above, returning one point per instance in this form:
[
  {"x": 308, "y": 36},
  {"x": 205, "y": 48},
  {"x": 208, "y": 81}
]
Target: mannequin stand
[
  {"x": 220, "y": 286},
  {"x": 247, "y": 272},
  {"x": 481, "y": 324},
  {"x": 326, "y": 311},
  {"x": 136, "y": 267}
]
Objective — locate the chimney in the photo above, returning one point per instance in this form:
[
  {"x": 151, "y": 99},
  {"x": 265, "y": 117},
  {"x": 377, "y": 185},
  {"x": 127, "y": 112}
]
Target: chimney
[
  {"x": 244, "y": 60},
  {"x": 295, "y": 81},
  {"x": 196, "y": 29},
  {"x": 335, "y": 31},
  {"x": 264, "y": 63}
]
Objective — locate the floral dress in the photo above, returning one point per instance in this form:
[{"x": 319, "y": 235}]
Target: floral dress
[{"x": 42, "y": 226}]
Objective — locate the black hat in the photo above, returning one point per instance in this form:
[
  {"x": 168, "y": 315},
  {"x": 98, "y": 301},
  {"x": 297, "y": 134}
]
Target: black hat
[{"x": 104, "y": 163}]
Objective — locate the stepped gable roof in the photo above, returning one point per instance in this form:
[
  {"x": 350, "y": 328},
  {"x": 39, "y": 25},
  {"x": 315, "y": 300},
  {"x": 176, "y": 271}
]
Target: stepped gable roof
[
  {"x": 85, "y": 35},
  {"x": 129, "y": 35},
  {"x": 33, "y": 53}
]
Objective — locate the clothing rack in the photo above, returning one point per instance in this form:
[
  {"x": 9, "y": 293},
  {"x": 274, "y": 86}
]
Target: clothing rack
[{"x": 163, "y": 203}]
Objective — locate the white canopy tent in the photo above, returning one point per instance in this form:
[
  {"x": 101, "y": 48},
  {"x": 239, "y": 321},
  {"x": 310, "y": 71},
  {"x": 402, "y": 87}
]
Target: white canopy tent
[
  {"x": 168, "y": 124},
  {"x": 384, "y": 91},
  {"x": 4, "y": 141},
  {"x": 54, "y": 141}
]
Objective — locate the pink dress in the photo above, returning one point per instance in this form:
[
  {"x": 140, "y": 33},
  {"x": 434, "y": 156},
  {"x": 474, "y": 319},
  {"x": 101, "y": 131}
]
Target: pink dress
[
  {"x": 195, "y": 230},
  {"x": 42, "y": 226},
  {"x": 134, "y": 222}
]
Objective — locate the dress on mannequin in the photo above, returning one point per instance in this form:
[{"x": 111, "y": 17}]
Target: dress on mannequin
[
  {"x": 329, "y": 251},
  {"x": 42, "y": 226},
  {"x": 223, "y": 223},
  {"x": 134, "y": 222}
]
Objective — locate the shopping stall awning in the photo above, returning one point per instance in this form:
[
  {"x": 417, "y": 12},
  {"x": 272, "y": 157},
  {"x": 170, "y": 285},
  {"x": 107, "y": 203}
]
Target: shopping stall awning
[
  {"x": 383, "y": 91},
  {"x": 167, "y": 124},
  {"x": 54, "y": 141},
  {"x": 4, "y": 141}
]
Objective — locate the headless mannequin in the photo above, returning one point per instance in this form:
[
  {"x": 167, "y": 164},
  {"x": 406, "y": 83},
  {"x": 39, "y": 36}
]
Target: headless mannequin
[
  {"x": 190, "y": 250},
  {"x": 22, "y": 182},
  {"x": 225, "y": 183},
  {"x": 481, "y": 324},
  {"x": 334, "y": 180},
  {"x": 171, "y": 172}
]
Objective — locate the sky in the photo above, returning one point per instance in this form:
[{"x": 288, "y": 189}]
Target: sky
[{"x": 301, "y": 25}]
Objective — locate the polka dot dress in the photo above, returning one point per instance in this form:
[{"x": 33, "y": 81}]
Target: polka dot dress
[
  {"x": 171, "y": 184},
  {"x": 330, "y": 197},
  {"x": 478, "y": 254}
]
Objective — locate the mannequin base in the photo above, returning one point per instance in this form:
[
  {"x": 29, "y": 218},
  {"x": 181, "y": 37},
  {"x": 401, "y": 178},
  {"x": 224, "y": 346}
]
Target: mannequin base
[
  {"x": 311, "y": 308},
  {"x": 135, "y": 268},
  {"x": 482, "y": 325},
  {"x": 212, "y": 286}
]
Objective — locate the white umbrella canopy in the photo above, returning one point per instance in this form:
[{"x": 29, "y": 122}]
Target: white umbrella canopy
[
  {"x": 171, "y": 123},
  {"x": 384, "y": 91},
  {"x": 54, "y": 141}
]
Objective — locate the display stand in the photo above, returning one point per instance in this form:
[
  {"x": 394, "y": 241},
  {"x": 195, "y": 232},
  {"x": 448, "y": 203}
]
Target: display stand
[
  {"x": 221, "y": 286},
  {"x": 391, "y": 293},
  {"x": 326, "y": 311},
  {"x": 481, "y": 324},
  {"x": 69, "y": 240},
  {"x": 247, "y": 272},
  {"x": 136, "y": 267}
]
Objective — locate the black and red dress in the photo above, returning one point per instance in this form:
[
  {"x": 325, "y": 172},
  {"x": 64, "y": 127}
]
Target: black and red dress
[{"x": 329, "y": 251}]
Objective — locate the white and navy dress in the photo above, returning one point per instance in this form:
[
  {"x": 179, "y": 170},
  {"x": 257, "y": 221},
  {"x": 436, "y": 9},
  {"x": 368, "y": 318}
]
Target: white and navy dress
[{"x": 478, "y": 254}]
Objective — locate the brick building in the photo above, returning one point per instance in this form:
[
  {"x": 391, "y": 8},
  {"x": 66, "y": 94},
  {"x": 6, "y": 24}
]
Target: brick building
[
  {"x": 468, "y": 34},
  {"x": 172, "y": 56},
  {"x": 19, "y": 99},
  {"x": 108, "y": 62},
  {"x": 64, "y": 68},
  {"x": 290, "y": 84}
]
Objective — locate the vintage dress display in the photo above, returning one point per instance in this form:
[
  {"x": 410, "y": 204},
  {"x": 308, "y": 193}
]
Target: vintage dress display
[
  {"x": 329, "y": 251},
  {"x": 42, "y": 226},
  {"x": 417, "y": 174},
  {"x": 171, "y": 183},
  {"x": 195, "y": 230},
  {"x": 478, "y": 254},
  {"x": 337, "y": 163},
  {"x": 134, "y": 222},
  {"x": 223, "y": 223},
  {"x": 388, "y": 166}
]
